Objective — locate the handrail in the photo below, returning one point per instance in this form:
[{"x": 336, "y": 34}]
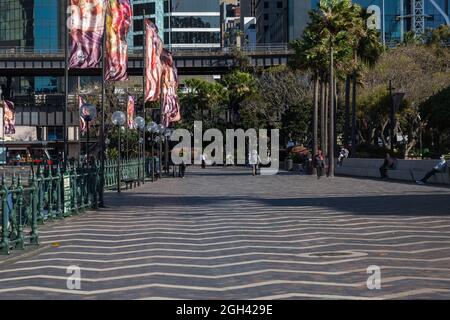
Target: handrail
[
  {"x": 50, "y": 194},
  {"x": 278, "y": 47}
]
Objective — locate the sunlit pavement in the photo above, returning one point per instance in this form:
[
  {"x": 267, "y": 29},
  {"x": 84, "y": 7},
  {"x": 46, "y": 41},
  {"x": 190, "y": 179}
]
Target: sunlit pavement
[{"x": 221, "y": 233}]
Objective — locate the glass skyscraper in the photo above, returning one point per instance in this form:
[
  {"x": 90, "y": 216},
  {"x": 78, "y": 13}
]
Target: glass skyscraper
[
  {"x": 182, "y": 23},
  {"x": 34, "y": 25},
  {"x": 398, "y": 15}
]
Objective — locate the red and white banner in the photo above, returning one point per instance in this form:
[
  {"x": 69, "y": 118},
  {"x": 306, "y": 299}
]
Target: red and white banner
[
  {"x": 118, "y": 22},
  {"x": 153, "y": 50},
  {"x": 9, "y": 118},
  {"x": 86, "y": 25},
  {"x": 130, "y": 112},
  {"x": 83, "y": 127},
  {"x": 170, "y": 108}
]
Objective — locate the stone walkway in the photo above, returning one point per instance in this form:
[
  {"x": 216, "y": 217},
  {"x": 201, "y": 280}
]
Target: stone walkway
[{"x": 224, "y": 234}]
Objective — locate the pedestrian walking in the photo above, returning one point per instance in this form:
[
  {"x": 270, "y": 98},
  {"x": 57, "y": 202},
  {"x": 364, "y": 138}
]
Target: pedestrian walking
[
  {"x": 182, "y": 165},
  {"x": 441, "y": 166},
  {"x": 343, "y": 154},
  {"x": 203, "y": 158},
  {"x": 389, "y": 163},
  {"x": 319, "y": 163},
  {"x": 254, "y": 160}
]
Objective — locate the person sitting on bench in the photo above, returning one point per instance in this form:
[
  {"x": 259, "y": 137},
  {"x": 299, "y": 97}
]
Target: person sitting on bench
[
  {"x": 439, "y": 167},
  {"x": 389, "y": 163}
]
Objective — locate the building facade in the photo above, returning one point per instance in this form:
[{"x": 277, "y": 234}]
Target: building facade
[
  {"x": 271, "y": 21},
  {"x": 230, "y": 17},
  {"x": 183, "y": 24},
  {"x": 36, "y": 26},
  {"x": 397, "y": 17},
  {"x": 280, "y": 21}
]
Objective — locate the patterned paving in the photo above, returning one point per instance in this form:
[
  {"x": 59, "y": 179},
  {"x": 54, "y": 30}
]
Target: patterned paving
[{"x": 224, "y": 234}]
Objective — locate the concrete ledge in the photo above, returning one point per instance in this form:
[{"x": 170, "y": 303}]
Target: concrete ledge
[{"x": 407, "y": 170}]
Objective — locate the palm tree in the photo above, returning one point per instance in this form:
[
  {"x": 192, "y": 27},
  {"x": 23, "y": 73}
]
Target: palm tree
[
  {"x": 335, "y": 22},
  {"x": 367, "y": 49},
  {"x": 311, "y": 57}
]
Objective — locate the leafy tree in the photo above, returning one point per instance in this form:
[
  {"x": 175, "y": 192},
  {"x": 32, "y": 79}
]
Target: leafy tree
[
  {"x": 418, "y": 71},
  {"x": 240, "y": 85},
  {"x": 203, "y": 100},
  {"x": 277, "y": 90},
  {"x": 435, "y": 112}
]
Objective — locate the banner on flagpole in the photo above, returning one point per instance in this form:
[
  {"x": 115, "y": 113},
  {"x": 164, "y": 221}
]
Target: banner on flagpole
[
  {"x": 130, "y": 112},
  {"x": 86, "y": 25},
  {"x": 83, "y": 127},
  {"x": 118, "y": 21},
  {"x": 9, "y": 118},
  {"x": 153, "y": 50},
  {"x": 170, "y": 108}
]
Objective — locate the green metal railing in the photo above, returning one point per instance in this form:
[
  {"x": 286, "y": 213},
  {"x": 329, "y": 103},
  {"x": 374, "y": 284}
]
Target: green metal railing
[
  {"x": 129, "y": 169},
  {"x": 51, "y": 194}
]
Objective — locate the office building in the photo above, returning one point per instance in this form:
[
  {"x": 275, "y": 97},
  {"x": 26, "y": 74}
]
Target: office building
[
  {"x": 183, "y": 24},
  {"x": 248, "y": 21},
  {"x": 280, "y": 21},
  {"x": 230, "y": 16},
  {"x": 36, "y": 26},
  {"x": 397, "y": 17}
]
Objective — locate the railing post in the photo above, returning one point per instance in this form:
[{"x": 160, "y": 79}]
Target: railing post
[
  {"x": 50, "y": 193},
  {"x": 20, "y": 238},
  {"x": 73, "y": 180},
  {"x": 13, "y": 209},
  {"x": 40, "y": 195},
  {"x": 5, "y": 219},
  {"x": 59, "y": 195},
  {"x": 34, "y": 235}
]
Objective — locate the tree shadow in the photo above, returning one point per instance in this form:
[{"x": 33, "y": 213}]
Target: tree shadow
[{"x": 415, "y": 204}]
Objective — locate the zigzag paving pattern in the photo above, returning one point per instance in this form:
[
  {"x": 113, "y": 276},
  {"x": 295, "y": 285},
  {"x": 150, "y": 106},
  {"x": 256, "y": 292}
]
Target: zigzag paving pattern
[{"x": 224, "y": 234}]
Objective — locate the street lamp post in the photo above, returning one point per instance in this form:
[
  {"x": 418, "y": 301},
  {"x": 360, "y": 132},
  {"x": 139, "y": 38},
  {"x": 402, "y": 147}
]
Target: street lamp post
[
  {"x": 152, "y": 128},
  {"x": 140, "y": 125},
  {"x": 395, "y": 101},
  {"x": 118, "y": 119},
  {"x": 161, "y": 129},
  {"x": 88, "y": 112},
  {"x": 167, "y": 134}
]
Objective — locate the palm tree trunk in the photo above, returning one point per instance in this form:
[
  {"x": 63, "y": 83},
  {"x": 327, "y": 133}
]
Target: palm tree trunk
[
  {"x": 316, "y": 113},
  {"x": 325, "y": 118},
  {"x": 354, "y": 116},
  {"x": 347, "y": 110},
  {"x": 331, "y": 111},
  {"x": 336, "y": 107},
  {"x": 322, "y": 115}
]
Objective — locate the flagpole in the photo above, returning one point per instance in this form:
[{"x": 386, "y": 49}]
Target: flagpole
[
  {"x": 3, "y": 130},
  {"x": 66, "y": 84},
  {"x": 102, "y": 134},
  {"x": 143, "y": 94},
  {"x": 79, "y": 127}
]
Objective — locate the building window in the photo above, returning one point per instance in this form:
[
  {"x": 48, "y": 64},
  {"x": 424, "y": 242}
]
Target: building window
[
  {"x": 55, "y": 133},
  {"x": 266, "y": 5},
  {"x": 138, "y": 40},
  {"x": 138, "y": 9},
  {"x": 280, "y": 4},
  {"x": 138, "y": 25},
  {"x": 193, "y": 22},
  {"x": 193, "y": 37},
  {"x": 266, "y": 16}
]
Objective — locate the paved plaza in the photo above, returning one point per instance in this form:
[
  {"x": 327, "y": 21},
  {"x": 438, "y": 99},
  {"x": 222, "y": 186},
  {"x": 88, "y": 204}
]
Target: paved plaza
[{"x": 221, "y": 233}]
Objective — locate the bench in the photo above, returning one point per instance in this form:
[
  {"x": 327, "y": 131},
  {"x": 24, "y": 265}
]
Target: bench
[
  {"x": 406, "y": 170},
  {"x": 129, "y": 182}
]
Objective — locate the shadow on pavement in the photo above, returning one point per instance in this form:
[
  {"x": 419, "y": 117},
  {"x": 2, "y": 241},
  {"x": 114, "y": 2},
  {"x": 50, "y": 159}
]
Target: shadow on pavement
[{"x": 429, "y": 204}]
